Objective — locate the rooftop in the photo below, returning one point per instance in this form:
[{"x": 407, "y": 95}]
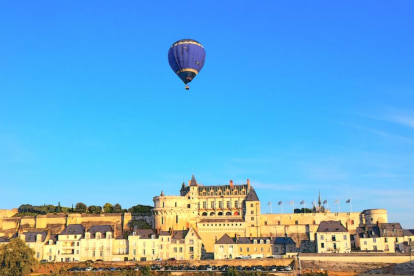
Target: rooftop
[{"x": 331, "y": 226}]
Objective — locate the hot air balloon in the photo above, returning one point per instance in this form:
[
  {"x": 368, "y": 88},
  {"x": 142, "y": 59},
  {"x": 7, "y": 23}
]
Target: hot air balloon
[{"x": 186, "y": 58}]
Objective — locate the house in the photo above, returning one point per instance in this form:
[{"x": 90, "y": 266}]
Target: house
[
  {"x": 68, "y": 243},
  {"x": 332, "y": 237}
]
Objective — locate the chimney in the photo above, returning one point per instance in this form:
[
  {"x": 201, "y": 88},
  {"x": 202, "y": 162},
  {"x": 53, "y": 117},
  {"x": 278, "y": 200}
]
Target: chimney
[
  {"x": 215, "y": 238},
  {"x": 231, "y": 183},
  {"x": 251, "y": 236},
  {"x": 158, "y": 231},
  {"x": 248, "y": 184},
  {"x": 271, "y": 235}
]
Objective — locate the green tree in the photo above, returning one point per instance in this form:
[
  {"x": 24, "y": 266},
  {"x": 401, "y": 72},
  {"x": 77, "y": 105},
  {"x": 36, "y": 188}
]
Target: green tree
[
  {"x": 108, "y": 208},
  {"x": 232, "y": 271},
  {"x": 58, "y": 209},
  {"x": 80, "y": 207},
  {"x": 95, "y": 209},
  {"x": 117, "y": 208},
  {"x": 139, "y": 209},
  {"x": 145, "y": 271},
  {"x": 16, "y": 258}
]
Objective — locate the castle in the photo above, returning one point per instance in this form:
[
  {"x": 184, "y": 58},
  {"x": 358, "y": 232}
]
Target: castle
[
  {"x": 234, "y": 209},
  {"x": 221, "y": 221}
]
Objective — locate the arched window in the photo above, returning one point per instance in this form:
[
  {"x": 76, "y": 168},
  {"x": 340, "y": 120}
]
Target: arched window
[
  {"x": 265, "y": 222},
  {"x": 228, "y": 214},
  {"x": 220, "y": 213},
  {"x": 176, "y": 219},
  {"x": 204, "y": 214},
  {"x": 212, "y": 214},
  {"x": 296, "y": 222}
]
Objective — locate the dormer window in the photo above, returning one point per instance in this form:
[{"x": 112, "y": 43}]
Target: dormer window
[
  {"x": 98, "y": 236},
  {"x": 267, "y": 241},
  {"x": 261, "y": 241},
  {"x": 88, "y": 235},
  {"x": 255, "y": 241}
]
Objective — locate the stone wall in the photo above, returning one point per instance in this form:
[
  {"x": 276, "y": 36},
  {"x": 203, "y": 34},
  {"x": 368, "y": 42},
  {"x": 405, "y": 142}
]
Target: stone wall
[{"x": 356, "y": 258}]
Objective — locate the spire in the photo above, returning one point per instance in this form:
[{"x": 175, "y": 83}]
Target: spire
[
  {"x": 193, "y": 181},
  {"x": 183, "y": 186},
  {"x": 319, "y": 200},
  {"x": 162, "y": 193}
]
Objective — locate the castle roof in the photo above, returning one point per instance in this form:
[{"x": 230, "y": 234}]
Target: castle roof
[
  {"x": 252, "y": 196},
  {"x": 331, "y": 226},
  {"x": 193, "y": 181}
]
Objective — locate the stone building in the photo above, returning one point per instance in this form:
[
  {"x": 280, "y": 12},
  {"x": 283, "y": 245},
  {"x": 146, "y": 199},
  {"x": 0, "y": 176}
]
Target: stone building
[
  {"x": 97, "y": 243},
  {"x": 381, "y": 237},
  {"x": 234, "y": 209},
  {"x": 333, "y": 237},
  {"x": 252, "y": 247},
  {"x": 151, "y": 244},
  {"x": 68, "y": 243}
]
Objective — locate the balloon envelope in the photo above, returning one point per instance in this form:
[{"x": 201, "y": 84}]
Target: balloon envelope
[{"x": 186, "y": 58}]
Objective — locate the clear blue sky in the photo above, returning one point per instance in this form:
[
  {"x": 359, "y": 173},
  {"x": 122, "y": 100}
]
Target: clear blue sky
[{"x": 296, "y": 96}]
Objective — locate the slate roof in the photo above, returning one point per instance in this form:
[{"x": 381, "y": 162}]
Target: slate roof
[
  {"x": 31, "y": 236},
  {"x": 408, "y": 232},
  {"x": 145, "y": 233},
  {"x": 73, "y": 229},
  {"x": 283, "y": 240},
  {"x": 225, "y": 239},
  {"x": 368, "y": 232},
  {"x": 246, "y": 240},
  {"x": 331, "y": 226},
  {"x": 164, "y": 233},
  {"x": 193, "y": 181},
  {"x": 390, "y": 229},
  {"x": 4, "y": 239},
  {"x": 252, "y": 196},
  {"x": 179, "y": 234},
  {"x": 54, "y": 238},
  {"x": 103, "y": 229},
  {"x": 221, "y": 220}
]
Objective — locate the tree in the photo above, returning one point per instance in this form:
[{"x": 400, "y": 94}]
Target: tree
[
  {"x": 80, "y": 207},
  {"x": 58, "y": 209},
  {"x": 95, "y": 209},
  {"x": 108, "y": 208},
  {"x": 139, "y": 209},
  {"x": 232, "y": 271},
  {"x": 145, "y": 270},
  {"x": 16, "y": 258},
  {"x": 117, "y": 208}
]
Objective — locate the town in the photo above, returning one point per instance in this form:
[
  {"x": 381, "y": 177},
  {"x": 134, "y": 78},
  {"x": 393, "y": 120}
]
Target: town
[{"x": 205, "y": 222}]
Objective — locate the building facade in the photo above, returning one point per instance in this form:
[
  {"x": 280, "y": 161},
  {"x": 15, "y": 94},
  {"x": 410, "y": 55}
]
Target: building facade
[
  {"x": 252, "y": 247},
  {"x": 333, "y": 237}
]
